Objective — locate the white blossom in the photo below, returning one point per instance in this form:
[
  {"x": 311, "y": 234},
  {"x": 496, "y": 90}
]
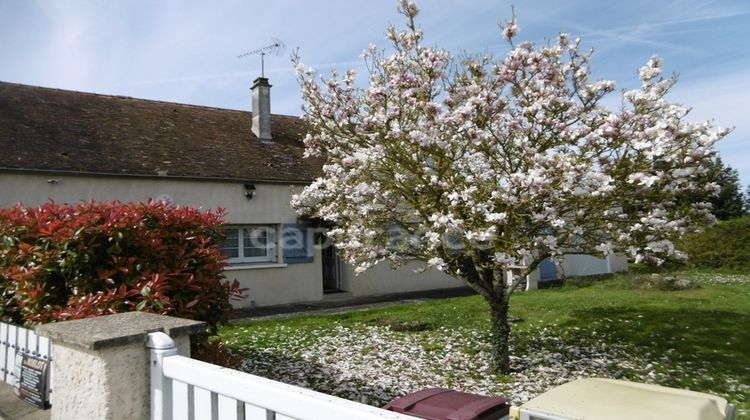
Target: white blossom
[
  {"x": 510, "y": 29},
  {"x": 497, "y": 160}
]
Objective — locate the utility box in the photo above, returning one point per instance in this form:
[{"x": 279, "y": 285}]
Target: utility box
[
  {"x": 597, "y": 398},
  {"x": 446, "y": 404}
]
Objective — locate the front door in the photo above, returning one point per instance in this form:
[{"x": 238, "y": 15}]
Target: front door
[{"x": 331, "y": 270}]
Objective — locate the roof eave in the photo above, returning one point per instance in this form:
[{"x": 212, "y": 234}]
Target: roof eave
[{"x": 162, "y": 177}]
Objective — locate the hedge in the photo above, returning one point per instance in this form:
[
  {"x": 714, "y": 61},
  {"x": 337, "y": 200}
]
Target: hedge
[
  {"x": 60, "y": 262},
  {"x": 725, "y": 245}
]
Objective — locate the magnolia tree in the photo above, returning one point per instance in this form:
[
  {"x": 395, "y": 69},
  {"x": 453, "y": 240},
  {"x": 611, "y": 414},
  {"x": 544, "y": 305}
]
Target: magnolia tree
[{"x": 480, "y": 165}]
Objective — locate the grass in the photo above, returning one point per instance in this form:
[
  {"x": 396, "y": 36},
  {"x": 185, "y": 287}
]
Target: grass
[
  {"x": 696, "y": 339},
  {"x": 705, "y": 327}
]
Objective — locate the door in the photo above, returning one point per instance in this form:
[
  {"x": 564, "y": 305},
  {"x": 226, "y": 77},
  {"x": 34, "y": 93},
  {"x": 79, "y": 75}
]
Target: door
[{"x": 331, "y": 270}]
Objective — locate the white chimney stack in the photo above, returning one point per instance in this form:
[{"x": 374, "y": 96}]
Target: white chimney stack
[{"x": 262, "y": 109}]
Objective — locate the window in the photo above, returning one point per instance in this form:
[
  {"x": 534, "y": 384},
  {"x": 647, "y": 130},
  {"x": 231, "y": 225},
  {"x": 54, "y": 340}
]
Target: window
[
  {"x": 250, "y": 244},
  {"x": 297, "y": 243}
]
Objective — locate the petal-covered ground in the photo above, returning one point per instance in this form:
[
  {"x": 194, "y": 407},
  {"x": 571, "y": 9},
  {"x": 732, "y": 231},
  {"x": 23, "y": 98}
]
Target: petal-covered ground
[{"x": 372, "y": 362}]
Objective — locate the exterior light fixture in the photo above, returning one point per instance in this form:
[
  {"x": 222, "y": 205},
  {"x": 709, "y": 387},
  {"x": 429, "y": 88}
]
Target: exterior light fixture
[{"x": 249, "y": 191}]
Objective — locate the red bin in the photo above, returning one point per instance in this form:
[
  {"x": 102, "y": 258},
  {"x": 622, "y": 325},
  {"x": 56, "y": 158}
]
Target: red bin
[{"x": 446, "y": 404}]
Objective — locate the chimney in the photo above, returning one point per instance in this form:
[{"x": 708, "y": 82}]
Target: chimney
[{"x": 262, "y": 109}]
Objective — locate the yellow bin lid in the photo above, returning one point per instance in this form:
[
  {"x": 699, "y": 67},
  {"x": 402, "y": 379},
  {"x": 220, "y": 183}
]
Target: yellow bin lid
[{"x": 597, "y": 398}]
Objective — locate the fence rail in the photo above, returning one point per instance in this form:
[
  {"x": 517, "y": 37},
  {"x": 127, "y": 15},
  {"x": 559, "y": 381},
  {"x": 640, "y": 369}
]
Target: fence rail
[
  {"x": 184, "y": 388},
  {"x": 16, "y": 340}
]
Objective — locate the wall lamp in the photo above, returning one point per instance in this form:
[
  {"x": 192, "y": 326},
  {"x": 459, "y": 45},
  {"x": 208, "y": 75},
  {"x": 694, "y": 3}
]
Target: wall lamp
[{"x": 249, "y": 191}]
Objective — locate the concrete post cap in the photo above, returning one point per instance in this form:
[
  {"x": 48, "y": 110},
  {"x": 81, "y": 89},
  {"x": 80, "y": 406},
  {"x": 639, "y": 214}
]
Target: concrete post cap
[{"x": 117, "y": 329}]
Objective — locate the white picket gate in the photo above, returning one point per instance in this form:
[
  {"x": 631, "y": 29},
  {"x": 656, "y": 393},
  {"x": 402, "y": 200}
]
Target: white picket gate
[
  {"x": 18, "y": 340},
  {"x": 184, "y": 388}
]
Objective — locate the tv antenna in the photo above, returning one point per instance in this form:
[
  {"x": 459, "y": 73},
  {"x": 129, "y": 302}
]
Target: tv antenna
[{"x": 275, "y": 48}]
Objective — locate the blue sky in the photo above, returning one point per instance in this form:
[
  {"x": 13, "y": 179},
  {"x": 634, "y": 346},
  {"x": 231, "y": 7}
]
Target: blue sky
[{"x": 186, "y": 51}]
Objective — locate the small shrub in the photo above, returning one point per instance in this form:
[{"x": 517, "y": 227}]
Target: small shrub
[{"x": 60, "y": 262}]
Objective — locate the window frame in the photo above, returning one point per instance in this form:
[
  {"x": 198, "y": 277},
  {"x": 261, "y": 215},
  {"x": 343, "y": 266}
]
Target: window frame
[{"x": 272, "y": 246}]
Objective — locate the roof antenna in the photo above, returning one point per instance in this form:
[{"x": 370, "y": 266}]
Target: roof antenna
[{"x": 275, "y": 48}]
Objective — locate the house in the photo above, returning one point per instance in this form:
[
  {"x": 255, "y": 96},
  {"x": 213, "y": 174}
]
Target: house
[{"x": 70, "y": 146}]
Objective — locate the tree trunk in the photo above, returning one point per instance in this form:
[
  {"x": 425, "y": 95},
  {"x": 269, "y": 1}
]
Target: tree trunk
[
  {"x": 500, "y": 334},
  {"x": 491, "y": 285}
]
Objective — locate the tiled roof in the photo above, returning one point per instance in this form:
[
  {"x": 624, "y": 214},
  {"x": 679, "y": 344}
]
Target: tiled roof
[{"x": 44, "y": 129}]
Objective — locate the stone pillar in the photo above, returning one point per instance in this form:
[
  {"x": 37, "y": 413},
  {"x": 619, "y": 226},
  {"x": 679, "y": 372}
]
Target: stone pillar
[
  {"x": 532, "y": 280},
  {"x": 101, "y": 365}
]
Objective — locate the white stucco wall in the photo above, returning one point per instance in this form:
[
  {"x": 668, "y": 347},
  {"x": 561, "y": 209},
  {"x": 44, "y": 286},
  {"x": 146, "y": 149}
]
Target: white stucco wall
[
  {"x": 268, "y": 284},
  {"x": 381, "y": 279},
  {"x": 269, "y": 205},
  {"x": 618, "y": 263},
  {"x": 586, "y": 265},
  {"x": 582, "y": 265},
  {"x": 280, "y": 284}
]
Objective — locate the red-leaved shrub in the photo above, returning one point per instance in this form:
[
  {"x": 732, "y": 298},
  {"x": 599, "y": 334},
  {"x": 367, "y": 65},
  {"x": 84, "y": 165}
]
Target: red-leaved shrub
[{"x": 60, "y": 262}]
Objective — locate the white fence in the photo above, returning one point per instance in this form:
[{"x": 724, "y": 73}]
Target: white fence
[
  {"x": 18, "y": 340},
  {"x": 184, "y": 388}
]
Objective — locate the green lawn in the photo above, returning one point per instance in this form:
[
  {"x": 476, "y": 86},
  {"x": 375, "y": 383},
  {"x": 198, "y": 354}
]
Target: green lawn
[{"x": 696, "y": 339}]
